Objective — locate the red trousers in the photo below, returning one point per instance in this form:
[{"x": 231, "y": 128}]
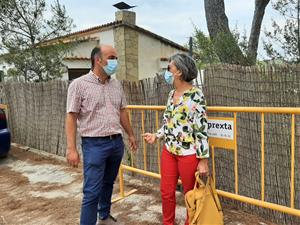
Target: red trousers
[{"x": 172, "y": 167}]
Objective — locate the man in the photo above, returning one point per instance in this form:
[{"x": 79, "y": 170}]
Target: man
[{"x": 98, "y": 103}]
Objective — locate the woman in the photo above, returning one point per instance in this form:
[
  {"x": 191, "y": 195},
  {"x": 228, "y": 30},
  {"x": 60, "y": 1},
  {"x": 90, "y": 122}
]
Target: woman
[{"x": 184, "y": 131}]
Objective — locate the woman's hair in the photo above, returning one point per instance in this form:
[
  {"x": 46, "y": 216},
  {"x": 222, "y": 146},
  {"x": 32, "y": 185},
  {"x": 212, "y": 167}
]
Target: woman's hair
[{"x": 186, "y": 65}]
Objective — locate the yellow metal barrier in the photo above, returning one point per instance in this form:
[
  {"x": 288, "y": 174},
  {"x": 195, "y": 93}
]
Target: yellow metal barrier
[{"x": 235, "y": 196}]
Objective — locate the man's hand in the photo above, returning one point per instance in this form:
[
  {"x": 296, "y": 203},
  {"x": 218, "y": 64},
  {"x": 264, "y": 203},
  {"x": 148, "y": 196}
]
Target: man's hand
[
  {"x": 73, "y": 157},
  {"x": 132, "y": 143},
  {"x": 149, "y": 138},
  {"x": 71, "y": 127},
  {"x": 203, "y": 167}
]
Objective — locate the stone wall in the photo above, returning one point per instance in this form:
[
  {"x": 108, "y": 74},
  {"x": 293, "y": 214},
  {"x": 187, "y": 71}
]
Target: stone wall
[{"x": 126, "y": 43}]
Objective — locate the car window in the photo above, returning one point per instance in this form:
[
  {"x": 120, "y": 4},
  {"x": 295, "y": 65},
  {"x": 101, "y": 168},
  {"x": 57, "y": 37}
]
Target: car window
[{"x": 3, "y": 122}]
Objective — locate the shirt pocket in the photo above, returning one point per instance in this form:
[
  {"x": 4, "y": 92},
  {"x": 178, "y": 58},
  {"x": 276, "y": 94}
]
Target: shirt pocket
[
  {"x": 115, "y": 99},
  {"x": 93, "y": 103}
]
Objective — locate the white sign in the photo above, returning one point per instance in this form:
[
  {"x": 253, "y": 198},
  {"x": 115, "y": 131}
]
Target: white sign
[{"x": 220, "y": 129}]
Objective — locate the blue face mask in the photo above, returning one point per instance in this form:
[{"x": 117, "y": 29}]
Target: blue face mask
[
  {"x": 169, "y": 77},
  {"x": 111, "y": 67}
]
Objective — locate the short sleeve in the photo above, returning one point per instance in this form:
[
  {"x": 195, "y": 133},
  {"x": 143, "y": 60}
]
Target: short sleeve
[
  {"x": 73, "y": 98},
  {"x": 123, "y": 98}
]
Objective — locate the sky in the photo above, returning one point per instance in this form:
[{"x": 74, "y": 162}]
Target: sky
[{"x": 172, "y": 19}]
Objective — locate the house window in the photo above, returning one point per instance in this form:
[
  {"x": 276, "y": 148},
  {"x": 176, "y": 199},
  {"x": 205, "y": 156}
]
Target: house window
[
  {"x": 75, "y": 73},
  {"x": 163, "y": 63},
  {"x": 1, "y": 75}
]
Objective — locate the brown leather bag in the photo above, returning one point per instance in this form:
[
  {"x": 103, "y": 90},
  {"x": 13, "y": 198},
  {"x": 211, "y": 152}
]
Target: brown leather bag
[{"x": 203, "y": 204}]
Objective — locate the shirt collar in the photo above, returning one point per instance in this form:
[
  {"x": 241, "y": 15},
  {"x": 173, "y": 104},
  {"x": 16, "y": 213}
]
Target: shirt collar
[{"x": 96, "y": 78}]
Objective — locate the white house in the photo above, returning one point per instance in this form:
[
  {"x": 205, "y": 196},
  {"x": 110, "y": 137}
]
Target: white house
[{"x": 141, "y": 53}]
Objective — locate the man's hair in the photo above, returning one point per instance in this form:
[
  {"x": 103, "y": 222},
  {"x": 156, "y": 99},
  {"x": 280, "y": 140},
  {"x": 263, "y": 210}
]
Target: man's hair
[{"x": 96, "y": 52}]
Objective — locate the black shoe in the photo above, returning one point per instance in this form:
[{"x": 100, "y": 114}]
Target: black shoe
[{"x": 107, "y": 220}]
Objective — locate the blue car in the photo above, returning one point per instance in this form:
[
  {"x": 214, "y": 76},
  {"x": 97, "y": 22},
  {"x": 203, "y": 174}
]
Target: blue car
[{"x": 5, "y": 139}]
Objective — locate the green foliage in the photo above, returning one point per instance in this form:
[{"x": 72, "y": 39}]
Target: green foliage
[
  {"x": 241, "y": 39},
  {"x": 209, "y": 51},
  {"x": 204, "y": 49},
  {"x": 24, "y": 29},
  {"x": 283, "y": 43},
  {"x": 227, "y": 46}
]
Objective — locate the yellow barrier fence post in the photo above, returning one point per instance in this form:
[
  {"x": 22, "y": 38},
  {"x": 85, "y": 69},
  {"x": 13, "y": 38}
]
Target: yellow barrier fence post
[
  {"x": 144, "y": 143},
  {"x": 121, "y": 177},
  {"x": 236, "y": 174},
  {"x": 293, "y": 162},
  {"x": 262, "y": 156},
  {"x": 158, "y": 142},
  {"x": 213, "y": 164},
  {"x": 131, "y": 153}
]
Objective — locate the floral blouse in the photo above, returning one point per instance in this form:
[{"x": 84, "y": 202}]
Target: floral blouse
[{"x": 184, "y": 126}]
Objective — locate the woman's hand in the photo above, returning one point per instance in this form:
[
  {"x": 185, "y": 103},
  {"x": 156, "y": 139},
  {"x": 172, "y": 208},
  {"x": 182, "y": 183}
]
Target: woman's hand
[
  {"x": 203, "y": 167},
  {"x": 149, "y": 138}
]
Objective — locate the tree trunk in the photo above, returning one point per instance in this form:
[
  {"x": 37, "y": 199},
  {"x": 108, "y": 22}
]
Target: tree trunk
[
  {"x": 216, "y": 18},
  {"x": 259, "y": 12},
  {"x": 217, "y": 24},
  {"x": 226, "y": 46}
]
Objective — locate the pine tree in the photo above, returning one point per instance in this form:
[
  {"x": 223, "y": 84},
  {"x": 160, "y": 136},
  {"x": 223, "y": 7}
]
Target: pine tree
[
  {"x": 23, "y": 31},
  {"x": 283, "y": 43}
]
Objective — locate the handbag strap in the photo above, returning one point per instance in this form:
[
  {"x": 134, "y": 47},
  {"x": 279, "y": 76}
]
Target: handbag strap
[
  {"x": 198, "y": 211},
  {"x": 201, "y": 184},
  {"x": 211, "y": 184},
  {"x": 198, "y": 182}
]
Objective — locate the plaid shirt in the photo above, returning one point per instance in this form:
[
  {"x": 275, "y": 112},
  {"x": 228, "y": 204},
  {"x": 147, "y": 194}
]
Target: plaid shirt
[{"x": 98, "y": 105}]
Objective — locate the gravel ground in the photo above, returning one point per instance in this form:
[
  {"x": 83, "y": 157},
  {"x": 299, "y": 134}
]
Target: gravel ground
[{"x": 37, "y": 189}]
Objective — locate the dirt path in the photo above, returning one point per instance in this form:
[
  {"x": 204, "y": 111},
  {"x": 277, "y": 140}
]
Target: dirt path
[{"x": 39, "y": 190}]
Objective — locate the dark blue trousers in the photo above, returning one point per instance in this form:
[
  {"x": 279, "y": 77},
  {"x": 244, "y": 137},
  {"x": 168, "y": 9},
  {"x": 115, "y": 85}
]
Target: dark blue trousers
[{"x": 101, "y": 161}]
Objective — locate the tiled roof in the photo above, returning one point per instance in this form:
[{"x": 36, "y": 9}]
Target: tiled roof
[
  {"x": 86, "y": 31},
  {"x": 115, "y": 24},
  {"x": 76, "y": 58},
  {"x": 156, "y": 36}
]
